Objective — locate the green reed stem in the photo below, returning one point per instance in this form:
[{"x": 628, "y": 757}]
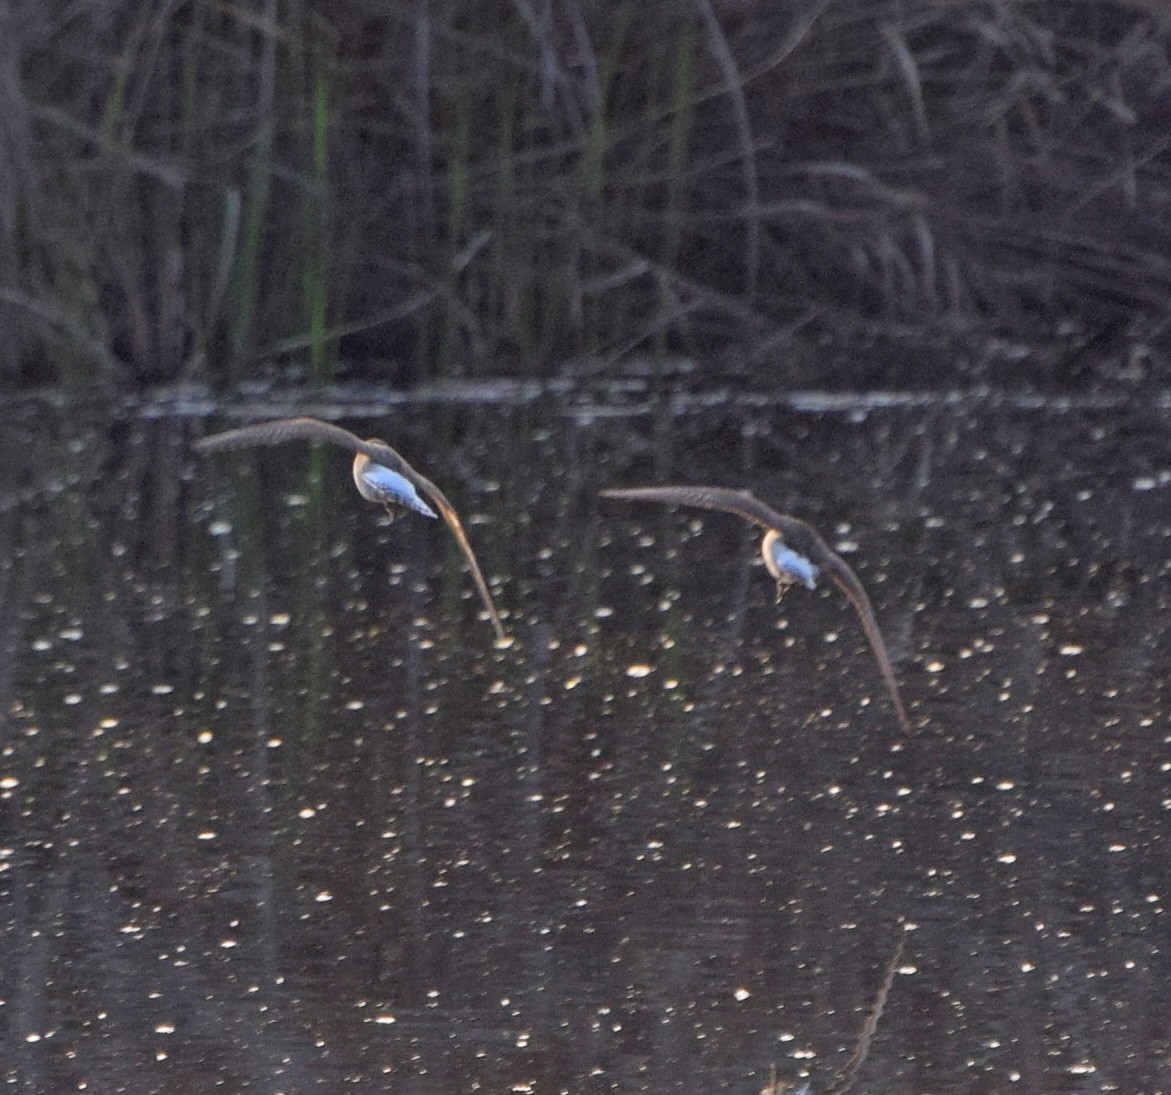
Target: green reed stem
[{"x": 315, "y": 282}]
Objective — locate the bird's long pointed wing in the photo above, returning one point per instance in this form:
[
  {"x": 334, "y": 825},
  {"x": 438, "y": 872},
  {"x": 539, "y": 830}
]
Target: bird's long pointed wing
[
  {"x": 722, "y": 498},
  {"x": 280, "y": 430},
  {"x": 799, "y": 535},
  {"x": 313, "y": 429},
  {"x": 848, "y": 582},
  {"x": 447, "y": 512}
]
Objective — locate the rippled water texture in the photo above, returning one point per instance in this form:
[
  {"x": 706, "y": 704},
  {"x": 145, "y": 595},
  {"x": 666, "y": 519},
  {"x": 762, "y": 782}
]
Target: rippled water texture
[{"x": 278, "y": 816}]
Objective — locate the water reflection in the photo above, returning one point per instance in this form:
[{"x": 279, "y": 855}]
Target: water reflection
[{"x": 273, "y": 817}]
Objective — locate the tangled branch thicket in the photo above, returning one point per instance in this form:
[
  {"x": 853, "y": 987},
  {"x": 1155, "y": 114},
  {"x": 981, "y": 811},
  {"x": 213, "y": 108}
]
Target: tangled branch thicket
[{"x": 207, "y": 191}]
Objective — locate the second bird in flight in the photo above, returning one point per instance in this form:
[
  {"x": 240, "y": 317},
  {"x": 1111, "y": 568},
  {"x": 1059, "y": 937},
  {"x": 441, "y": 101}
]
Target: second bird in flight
[{"x": 793, "y": 552}]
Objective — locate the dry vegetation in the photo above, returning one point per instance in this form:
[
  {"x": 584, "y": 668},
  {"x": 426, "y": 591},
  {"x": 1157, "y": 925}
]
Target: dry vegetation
[{"x": 215, "y": 191}]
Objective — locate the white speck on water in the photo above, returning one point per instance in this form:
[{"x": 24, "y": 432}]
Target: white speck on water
[{"x": 1150, "y": 482}]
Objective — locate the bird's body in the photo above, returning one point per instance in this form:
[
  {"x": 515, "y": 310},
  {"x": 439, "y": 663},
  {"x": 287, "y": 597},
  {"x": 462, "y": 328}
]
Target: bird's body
[
  {"x": 378, "y": 484},
  {"x": 785, "y": 564},
  {"x": 380, "y": 474},
  {"x": 793, "y": 552}
]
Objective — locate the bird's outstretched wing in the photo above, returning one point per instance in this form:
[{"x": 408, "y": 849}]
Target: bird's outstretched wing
[
  {"x": 740, "y": 502},
  {"x": 843, "y": 576},
  {"x": 280, "y": 430},
  {"x": 447, "y": 512},
  {"x": 795, "y": 532},
  {"x": 798, "y": 535}
]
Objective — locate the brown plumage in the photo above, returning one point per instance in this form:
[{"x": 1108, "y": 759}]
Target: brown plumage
[
  {"x": 783, "y": 531},
  {"x": 371, "y": 452}
]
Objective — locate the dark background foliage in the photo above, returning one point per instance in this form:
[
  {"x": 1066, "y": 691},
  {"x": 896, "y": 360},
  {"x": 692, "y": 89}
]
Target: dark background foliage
[{"x": 857, "y": 193}]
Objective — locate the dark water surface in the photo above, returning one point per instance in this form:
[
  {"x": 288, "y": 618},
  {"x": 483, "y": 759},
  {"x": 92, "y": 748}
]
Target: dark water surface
[{"x": 277, "y": 815}]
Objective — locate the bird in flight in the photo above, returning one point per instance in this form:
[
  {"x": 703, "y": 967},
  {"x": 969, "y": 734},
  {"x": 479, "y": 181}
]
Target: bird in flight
[
  {"x": 380, "y": 474},
  {"x": 793, "y": 551}
]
